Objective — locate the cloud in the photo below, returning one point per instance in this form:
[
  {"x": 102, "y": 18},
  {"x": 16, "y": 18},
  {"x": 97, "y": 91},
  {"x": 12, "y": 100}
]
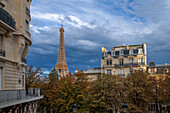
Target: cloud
[{"x": 91, "y": 24}]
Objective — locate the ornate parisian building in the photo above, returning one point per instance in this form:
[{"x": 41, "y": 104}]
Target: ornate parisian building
[
  {"x": 124, "y": 60},
  {"x": 15, "y": 40},
  {"x": 61, "y": 65}
]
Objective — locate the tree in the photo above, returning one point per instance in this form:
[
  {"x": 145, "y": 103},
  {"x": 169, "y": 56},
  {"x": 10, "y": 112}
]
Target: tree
[
  {"x": 162, "y": 91},
  {"x": 139, "y": 93},
  {"x": 60, "y": 94},
  {"x": 32, "y": 77},
  {"x": 105, "y": 94}
]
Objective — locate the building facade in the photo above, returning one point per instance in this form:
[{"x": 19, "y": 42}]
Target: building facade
[
  {"x": 124, "y": 60},
  {"x": 61, "y": 65},
  {"x": 15, "y": 40},
  {"x": 92, "y": 73}
]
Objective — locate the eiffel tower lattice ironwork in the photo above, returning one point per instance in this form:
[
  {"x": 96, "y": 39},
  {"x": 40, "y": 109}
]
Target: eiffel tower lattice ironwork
[{"x": 61, "y": 65}]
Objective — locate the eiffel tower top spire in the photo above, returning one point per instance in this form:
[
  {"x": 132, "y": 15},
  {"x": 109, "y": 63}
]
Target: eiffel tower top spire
[{"x": 61, "y": 65}]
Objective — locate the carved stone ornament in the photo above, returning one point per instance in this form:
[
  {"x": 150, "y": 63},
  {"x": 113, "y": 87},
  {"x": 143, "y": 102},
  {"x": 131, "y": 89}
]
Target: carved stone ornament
[
  {"x": 2, "y": 64},
  {"x": 9, "y": 35}
]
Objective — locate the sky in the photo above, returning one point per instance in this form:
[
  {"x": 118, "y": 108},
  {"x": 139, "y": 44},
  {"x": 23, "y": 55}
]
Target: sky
[{"x": 92, "y": 24}]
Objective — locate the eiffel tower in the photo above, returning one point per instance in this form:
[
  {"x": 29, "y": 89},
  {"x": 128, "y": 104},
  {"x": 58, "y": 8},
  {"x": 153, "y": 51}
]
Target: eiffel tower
[{"x": 61, "y": 65}]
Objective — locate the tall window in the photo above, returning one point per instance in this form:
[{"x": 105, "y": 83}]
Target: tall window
[
  {"x": 23, "y": 80},
  {"x": 140, "y": 51},
  {"x": 121, "y": 52},
  {"x": 140, "y": 61},
  {"x": 0, "y": 42},
  {"x": 121, "y": 72},
  {"x": 121, "y": 61},
  {"x": 130, "y": 51},
  {"x": 130, "y": 71},
  {"x": 27, "y": 25},
  {"x": 109, "y": 71},
  {"x": 131, "y": 61},
  {"x": 109, "y": 62},
  {"x": 0, "y": 78}
]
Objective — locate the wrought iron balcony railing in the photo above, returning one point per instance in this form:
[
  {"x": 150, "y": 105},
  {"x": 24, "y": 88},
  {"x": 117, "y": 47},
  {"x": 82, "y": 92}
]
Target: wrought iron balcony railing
[
  {"x": 7, "y": 18},
  {"x": 23, "y": 60},
  {"x": 121, "y": 74},
  {"x": 129, "y": 64},
  {"x": 2, "y": 53},
  {"x": 16, "y": 95},
  {"x": 27, "y": 10}
]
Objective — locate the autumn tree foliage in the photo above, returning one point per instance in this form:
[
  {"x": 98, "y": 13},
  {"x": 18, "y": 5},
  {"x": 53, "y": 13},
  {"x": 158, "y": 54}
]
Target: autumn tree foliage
[
  {"x": 162, "y": 89},
  {"x": 139, "y": 92},
  {"x": 106, "y": 94},
  {"x": 60, "y": 94},
  {"x": 32, "y": 77}
]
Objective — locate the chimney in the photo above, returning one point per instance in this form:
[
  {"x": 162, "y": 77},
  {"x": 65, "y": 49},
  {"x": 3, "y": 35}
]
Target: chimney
[{"x": 127, "y": 47}]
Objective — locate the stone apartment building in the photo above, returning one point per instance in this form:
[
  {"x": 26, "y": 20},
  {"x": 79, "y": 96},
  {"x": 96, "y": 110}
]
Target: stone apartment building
[
  {"x": 15, "y": 40},
  {"x": 124, "y": 60}
]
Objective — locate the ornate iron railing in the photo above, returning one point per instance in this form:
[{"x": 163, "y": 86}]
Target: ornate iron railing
[
  {"x": 7, "y": 18},
  {"x": 27, "y": 9},
  {"x": 129, "y": 64},
  {"x": 14, "y": 95}
]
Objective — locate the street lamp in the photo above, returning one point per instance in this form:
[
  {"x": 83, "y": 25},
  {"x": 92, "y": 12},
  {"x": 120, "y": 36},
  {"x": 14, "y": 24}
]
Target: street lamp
[
  {"x": 125, "y": 106},
  {"x": 74, "y": 108}
]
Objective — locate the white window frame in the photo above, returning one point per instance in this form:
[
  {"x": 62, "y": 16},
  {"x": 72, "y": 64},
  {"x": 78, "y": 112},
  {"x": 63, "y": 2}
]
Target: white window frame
[
  {"x": 121, "y": 72},
  {"x": 140, "y": 51},
  {"x": 130, "y": 51},
  {"x": 109, "y": 71}
]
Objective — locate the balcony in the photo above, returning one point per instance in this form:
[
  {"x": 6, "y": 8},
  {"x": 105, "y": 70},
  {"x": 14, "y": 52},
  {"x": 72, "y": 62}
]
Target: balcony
[
  {"x": 13, "y": 97},
  {"x": 121, "y": 75},
  {"x": 23, "y": 60},
  {"x": 2, "y": 53},
  {"x": 129, "y": 64},
  {"x": 27, "y": 10},
  {"x": 28, "y": 34},
  {"x": 7, "y": 19},
  {"x": 105, "y": 66}
]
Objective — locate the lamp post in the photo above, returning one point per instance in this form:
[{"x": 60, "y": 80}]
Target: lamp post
[
  {"x": 74, "y": 108},
  {"x": 125, "y": 106}
]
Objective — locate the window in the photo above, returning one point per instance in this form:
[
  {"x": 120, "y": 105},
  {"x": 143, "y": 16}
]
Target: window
[
  {"x": 121, "y": 73},
  {"x": 140, "y": 61},
  {"x": 109, "y": 62},
  {"x": 130, "y": 52},
  {"x": 105, "y": 54},
  {"x": 135, "y": 51},
  {"x": 140, "y": 69},
  {"x": 130, "y": 61},
  {"x": 121, "y": 52},
  {"x": 109, "y": 71},
  {"x": 0, "y": 77},
  {"x": 116, "y": 52},
  {"x": 126, "y": 52},
  {"x": 0, "y": 42},
  {"x": 27, "y": 25},
  {"x": 140, "y": 51},
  {"x": 23, "y": 80},
  {"x": 112, "y": 53},
  {"x": 121, "y": 61},
  {"x": 130, "y": 71},
  {"x": 98, "y": 76}
]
